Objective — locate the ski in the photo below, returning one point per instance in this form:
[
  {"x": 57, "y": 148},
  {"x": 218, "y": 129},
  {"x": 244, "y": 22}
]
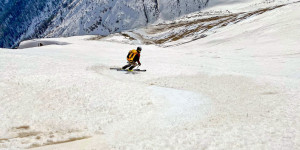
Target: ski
[{"x": 120, "y": 69}]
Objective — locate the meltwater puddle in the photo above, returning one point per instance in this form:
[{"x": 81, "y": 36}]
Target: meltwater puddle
[{"x": 181, "y": 106}]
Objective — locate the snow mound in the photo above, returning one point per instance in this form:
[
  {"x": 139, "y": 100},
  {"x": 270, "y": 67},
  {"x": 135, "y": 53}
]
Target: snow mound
[{"x": 39, "y": 43}]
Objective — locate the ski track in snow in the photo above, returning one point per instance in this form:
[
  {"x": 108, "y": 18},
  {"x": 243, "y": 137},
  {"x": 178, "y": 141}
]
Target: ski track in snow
[{"x": 236, "y": 89}]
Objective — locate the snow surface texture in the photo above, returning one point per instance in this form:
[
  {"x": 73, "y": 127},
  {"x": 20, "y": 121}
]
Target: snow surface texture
[{"x": 236, "y": 89}]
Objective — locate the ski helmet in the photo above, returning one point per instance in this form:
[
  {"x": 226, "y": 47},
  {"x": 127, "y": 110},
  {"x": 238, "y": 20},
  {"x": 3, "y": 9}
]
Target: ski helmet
[{"x": 139, "y": 49}]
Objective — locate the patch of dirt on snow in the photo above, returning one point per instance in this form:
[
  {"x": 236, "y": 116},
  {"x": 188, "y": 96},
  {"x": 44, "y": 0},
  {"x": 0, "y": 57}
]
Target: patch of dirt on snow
[
  {"x": 96, "y": 38},
  {"x": 24, "y": 127},
  {"x": 25, "y": 137},
  {"x": 51, "y": 142}
]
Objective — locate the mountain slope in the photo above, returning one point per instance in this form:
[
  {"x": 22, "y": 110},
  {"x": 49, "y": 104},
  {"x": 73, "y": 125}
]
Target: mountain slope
[
  {"x": 196, "y": 25},
  {"x": 20, "y": 19},
  {"x": 55, "y": 18}
]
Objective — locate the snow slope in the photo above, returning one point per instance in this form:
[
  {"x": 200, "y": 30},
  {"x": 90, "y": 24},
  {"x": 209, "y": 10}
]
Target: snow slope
[{"x": 235, "y": 89}]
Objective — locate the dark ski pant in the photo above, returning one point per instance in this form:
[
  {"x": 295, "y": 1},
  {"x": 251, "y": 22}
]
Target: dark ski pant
[{"x": 131, "y": 65}]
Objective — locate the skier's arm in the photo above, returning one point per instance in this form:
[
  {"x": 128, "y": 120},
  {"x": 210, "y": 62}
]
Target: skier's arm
[{"x": 137, "y": 59}]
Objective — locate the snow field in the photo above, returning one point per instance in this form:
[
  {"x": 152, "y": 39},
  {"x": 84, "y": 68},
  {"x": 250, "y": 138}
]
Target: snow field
[{"x": 49, "y": 94}]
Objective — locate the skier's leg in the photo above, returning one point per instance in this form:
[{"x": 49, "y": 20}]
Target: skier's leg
[
  {"x": 126, "y": 66},
  {"x": 133, "y": 64}
]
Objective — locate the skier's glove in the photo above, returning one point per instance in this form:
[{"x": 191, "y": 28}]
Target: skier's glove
[{"x": 140, "y": 64}]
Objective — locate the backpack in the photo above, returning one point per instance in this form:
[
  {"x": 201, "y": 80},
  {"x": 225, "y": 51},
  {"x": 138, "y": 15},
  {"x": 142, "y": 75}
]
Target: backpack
[{"x": 131, "y": 55}]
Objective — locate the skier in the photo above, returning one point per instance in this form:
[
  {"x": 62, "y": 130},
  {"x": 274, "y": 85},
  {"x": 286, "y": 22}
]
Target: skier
[{"x": 133, "y": 59}]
